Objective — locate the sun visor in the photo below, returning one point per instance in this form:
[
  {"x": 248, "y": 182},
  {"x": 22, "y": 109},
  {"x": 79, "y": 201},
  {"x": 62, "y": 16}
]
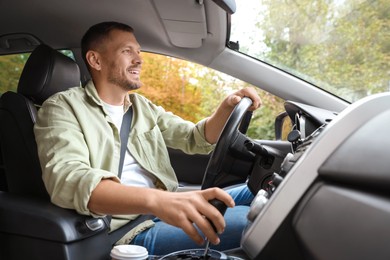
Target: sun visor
[{"x": 185, "y": 23}]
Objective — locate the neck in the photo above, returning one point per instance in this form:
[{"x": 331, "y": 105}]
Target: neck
[{"x": 111, "y": 94}]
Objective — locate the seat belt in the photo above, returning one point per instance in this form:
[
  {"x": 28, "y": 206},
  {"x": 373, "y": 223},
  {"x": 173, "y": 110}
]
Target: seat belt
[{"x": 124, "y": 133}]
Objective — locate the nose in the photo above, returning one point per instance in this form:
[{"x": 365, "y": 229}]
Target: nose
[{"x": 137, "y": 58}]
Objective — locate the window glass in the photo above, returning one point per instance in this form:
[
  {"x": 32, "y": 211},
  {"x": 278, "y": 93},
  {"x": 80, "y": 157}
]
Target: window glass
[
  {"x": 341, "y": 46},
  {"x": 189, "y": 90},
  {"x": 11, "y": 67},
  {"x": 193, "y": 92},
  {"x": 68, "y": 53}
]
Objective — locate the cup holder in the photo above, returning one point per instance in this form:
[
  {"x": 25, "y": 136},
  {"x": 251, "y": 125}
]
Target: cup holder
[{"x": 197, "y": 254}]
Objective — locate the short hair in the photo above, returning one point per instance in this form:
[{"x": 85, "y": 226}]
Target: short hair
[{"x": 97, "y": 33}]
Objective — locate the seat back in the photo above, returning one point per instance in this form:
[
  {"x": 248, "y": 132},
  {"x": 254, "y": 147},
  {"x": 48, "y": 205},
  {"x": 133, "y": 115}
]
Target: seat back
[
  {"x": 31, "y": 226},
  {"x": 56, "y": 233},
  {"x": 46, "y": 72}
]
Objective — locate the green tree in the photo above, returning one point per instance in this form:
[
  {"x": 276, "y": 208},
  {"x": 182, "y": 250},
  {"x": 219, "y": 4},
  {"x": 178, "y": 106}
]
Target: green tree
[
  {"x": 345, "y": 43},
  {"x": 11, "y": 67},
  {"x": 189, "y": 90},
  {"x": 167, "y": 83},
  {"x": 193, "y": 92}
]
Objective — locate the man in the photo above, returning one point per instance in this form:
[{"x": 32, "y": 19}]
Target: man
[{"x": 78, "y": 138}]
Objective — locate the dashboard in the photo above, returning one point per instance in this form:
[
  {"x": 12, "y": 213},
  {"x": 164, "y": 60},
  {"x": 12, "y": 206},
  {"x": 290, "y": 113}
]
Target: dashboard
[
  {"x": 307, "y": 123},
  {"x": 333, "y": 180},
  {"x": 307, "y": 119}
]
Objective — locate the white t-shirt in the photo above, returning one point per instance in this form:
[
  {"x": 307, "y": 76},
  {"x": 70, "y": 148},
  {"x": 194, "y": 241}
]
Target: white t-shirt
[{"x": 132, "y": 174}]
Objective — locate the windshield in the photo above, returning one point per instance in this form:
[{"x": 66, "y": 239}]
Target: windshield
[{"x": 341, "y": 46}]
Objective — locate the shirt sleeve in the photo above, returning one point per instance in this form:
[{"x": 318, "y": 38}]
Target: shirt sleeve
[
  {"x": 182, "y": 134},
  {"x": 65, "y": 157}
]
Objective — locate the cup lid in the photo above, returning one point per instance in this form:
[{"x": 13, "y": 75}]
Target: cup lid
[{"x": 129, "y": 252}]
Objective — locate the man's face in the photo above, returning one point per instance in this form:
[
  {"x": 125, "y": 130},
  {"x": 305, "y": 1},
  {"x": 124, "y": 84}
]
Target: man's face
[{"x": 121, "y": 60}]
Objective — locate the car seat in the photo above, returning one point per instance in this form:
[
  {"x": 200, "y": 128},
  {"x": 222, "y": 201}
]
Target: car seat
[{"x": 31, "y": 227}]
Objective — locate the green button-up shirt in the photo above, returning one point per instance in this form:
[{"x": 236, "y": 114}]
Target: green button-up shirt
[{"x": 79, "y": 145}]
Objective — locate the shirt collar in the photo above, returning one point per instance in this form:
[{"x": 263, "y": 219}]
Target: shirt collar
[{"x": 91, "y": 91}]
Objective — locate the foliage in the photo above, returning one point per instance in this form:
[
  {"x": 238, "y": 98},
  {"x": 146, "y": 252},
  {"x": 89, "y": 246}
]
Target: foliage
[
  {"x": 262, "y": 125},
  {"x": 167, "y": 83},
  {"x": 194, "y": 92},
  {"x": 345, "y": 43},
  {"x": 186, "y": 89},
  {"x": 294, "y": 35},
  {"x": 11, "y": 67}
]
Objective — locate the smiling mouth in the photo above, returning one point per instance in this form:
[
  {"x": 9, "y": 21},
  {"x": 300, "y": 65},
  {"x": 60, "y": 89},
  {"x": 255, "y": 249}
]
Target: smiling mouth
[{"x": 135, "y": 70}]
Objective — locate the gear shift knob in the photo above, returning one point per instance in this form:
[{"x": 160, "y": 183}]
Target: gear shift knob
[{"x": 220, "y": 206}]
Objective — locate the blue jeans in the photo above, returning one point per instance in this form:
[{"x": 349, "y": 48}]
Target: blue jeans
[{"x": 163, "y": 238}]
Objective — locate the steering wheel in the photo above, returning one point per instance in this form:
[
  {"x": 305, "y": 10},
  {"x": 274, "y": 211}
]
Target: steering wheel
[{"x": 215, "y": 176}]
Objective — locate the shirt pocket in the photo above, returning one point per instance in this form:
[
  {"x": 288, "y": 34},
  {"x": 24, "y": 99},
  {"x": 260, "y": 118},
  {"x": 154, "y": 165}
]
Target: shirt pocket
[{"x": 154, "y": 151}]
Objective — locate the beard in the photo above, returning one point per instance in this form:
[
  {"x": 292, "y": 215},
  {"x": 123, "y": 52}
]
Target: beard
[{"x": 122, "y": 81}]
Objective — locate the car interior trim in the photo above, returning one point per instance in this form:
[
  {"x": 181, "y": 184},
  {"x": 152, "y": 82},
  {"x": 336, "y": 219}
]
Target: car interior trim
[{"x": 305, "y": 171}]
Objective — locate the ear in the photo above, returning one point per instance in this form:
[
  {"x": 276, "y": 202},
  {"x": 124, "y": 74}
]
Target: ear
[{"x": 93, "y": 59}]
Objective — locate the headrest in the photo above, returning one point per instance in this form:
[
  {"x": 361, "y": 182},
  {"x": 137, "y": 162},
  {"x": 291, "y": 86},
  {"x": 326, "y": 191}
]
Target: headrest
[{"x": 47, "y": 72}]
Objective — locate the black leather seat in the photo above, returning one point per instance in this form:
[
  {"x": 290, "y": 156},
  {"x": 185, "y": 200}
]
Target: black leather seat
[
  {"x": 31, "y": 227},
  {"x": 46, "y": 72}
]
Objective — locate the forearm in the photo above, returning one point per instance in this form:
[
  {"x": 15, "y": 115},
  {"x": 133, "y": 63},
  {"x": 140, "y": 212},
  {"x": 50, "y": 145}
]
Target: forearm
[
  {"x": 190, "y": 208},
  {"x": 112, "y": 198},
  {"x": 216, "y": 122}
]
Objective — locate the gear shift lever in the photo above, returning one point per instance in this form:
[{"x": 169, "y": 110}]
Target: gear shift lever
[{"x": 222, "y": 209}]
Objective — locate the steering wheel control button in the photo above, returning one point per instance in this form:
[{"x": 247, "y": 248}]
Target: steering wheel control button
[
  {"x": 257, "y": 205},
  {"x": 129, "y": 252}
]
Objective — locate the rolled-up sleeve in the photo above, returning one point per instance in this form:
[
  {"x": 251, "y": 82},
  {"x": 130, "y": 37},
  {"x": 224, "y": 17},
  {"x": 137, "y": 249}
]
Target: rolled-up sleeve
[{"x": 182, "y": 134}]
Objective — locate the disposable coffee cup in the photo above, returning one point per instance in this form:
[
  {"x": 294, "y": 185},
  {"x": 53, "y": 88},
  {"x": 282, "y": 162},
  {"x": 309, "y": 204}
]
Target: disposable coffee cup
[{"x": 129, "y": 252}]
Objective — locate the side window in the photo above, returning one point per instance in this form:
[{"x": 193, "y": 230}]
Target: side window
[
  {"x": 193, "y": 92},
  {"x": 11, "y": 67}
]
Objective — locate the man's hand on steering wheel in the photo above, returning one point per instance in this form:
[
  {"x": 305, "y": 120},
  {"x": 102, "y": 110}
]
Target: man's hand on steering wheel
[
  {"x": 216, "y": 122},
  {"x": 233, "y": 99}
]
